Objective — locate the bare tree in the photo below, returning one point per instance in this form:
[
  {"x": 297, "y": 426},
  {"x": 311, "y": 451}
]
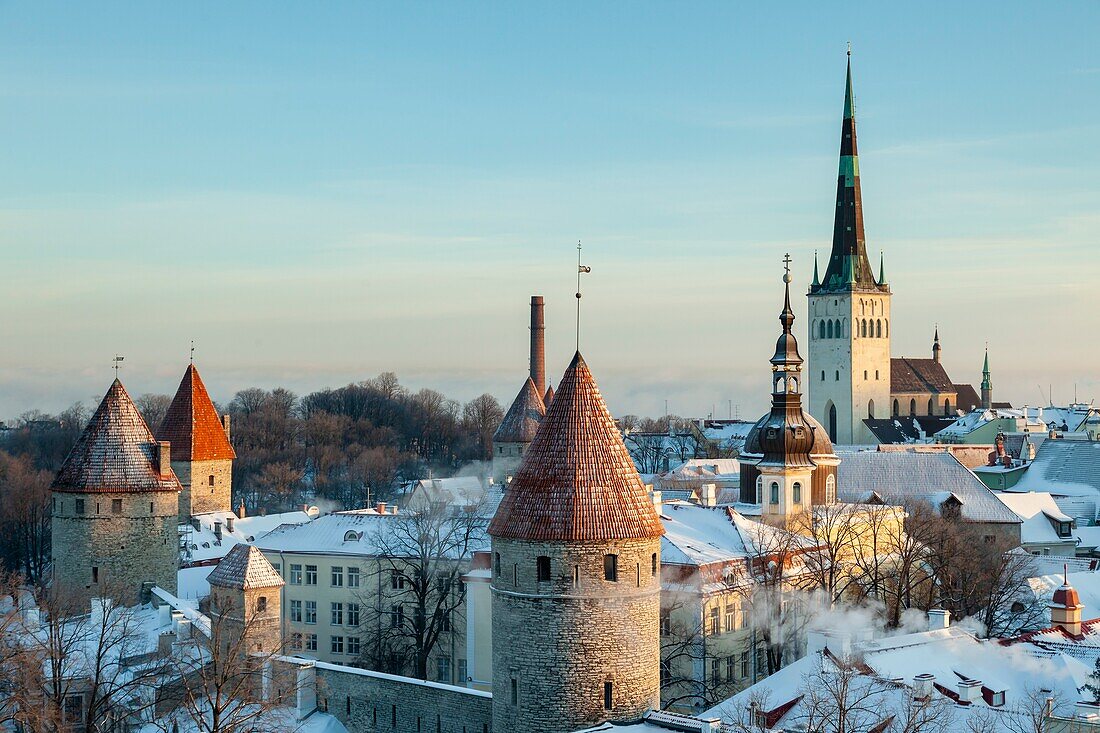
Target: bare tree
[
  {"x": 219, "y": 682},
  {"x": 422, "y": 557},
  {"x": 24, "y": 516},
  {"x": 153, "y": 408},
  {"x": 482, "y": 415},
  {"x": 1029, "y": 711}
]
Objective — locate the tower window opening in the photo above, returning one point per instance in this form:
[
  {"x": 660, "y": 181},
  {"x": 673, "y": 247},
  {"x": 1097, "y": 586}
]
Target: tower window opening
[
  {"x": 897, "y": 409},
  {"x": 837, "y": 330},
  {"x": 871, "y": 409},
  {"x": 542, "y": 565},
  {"x": 912, "y": 408},
  {"x": 947, "y": 407},
  {"x": 759, "y": 489},
  {"x": 876, "y": 375},
  {"x": 830, "y": 490},
  {"x": 116, "y": 506},
  {"x": 211, "y": 479},
  {"x": 95, "y": 574},
  {"x": 864, "y": 375},
  {"x": 576, "y": 576},
  {"x": 150, "y": 507},
  {"x": 931, "y": 406},
  {"x": 796, "y": 492},
  {"x": 611, "y": 567},
  {"x": 79, "y": 506},
  {"x": 638, "y": 574},
  {"x": 878, "y": 329},
  {"x": 863, "y": 328},
  {"x": 653, "y": 565},
  {"x": 821, "y": 330},
  {"x": 607, "y": 695},
  {"x": 261, "y": 604},
  {"x": 822, "y": 375},
  {"x": 775, "y": 493},
  {"x": 515, "y": 574},
  {"x": 496, "y": 561},
  {"x": 515, "y": 692},
  {"x": 830, "y": 329},
  {"x": 837, "y": 377}
]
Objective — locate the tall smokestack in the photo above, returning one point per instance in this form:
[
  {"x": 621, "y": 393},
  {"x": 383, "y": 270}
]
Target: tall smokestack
[{"x": 538, "y": 345}]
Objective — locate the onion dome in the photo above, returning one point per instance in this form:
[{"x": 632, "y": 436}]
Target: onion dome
[
  {"x": 822, "y": 445},
  {"x": 192, "y": 425},
  {"x": 116, "y": 453},
  {"x": 245, "y": 567},
  {"x": 523, "y": 418},
  {"x": 577, "y": 482}
]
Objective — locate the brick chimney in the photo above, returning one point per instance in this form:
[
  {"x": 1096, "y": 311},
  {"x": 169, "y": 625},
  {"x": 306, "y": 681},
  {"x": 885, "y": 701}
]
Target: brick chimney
[
  {"x": 164, "y": 458},
  {"x": 538, "y": 345},
  {"x": 225, "y": 425}
]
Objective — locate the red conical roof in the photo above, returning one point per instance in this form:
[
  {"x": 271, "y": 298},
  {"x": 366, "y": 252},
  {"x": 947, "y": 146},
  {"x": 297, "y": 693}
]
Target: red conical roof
[
  {"x": 523, "y": 417},
  {"x": 115, "y": 453},
  {"x": 577, "y": 482},
  {"x": 192, "y": 424}
]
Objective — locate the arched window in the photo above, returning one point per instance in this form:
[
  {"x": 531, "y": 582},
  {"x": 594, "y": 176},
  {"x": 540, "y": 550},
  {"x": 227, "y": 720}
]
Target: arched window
[
  {"x": 542, "y": 567},
  {"x": 653, "y": 565},
  {"x": 947, "y": 407},
  {"x": 832, "y": 420},
  {"x": 896, "y": 408},
  {"x": 864, "y": 375},
  {"x": 931, "y": 406},
  {"x": 352, "y": 536},
  {"x": 837, "y": 377},
  {"x": 759, "y": 489},
  {"x": 822, "y": 330},
  {"x": 779, "y": 385},
  {"x": 912, "y": 407},
  {"x": 830, "y": 329},
  {"x": 871, "y": 409},
  {"x": 876, "y": 375},
  {"x": 863, "y": 328},
  {"x": 792, "y": 385},
  {"x": 822, "y": 375},
  {"x": 796, "y": 492},
  {"x": 830, "y": 490},
  {"x": 775, "y": 493},
  {"x": 878, "y": 329},
  {"x": 887, "y": 328}
]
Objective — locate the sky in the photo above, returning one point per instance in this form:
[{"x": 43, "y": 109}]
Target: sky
[{"x": 319, "y": 192}]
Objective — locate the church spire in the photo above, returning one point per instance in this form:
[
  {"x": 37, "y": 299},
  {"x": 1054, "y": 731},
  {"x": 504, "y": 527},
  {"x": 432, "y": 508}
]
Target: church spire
[
  {"x": 817, "y": 279},
  {"x": 936, "y": 346},
  {"x": 987, "y": 383},
  {"x": 848, "y": 268}
]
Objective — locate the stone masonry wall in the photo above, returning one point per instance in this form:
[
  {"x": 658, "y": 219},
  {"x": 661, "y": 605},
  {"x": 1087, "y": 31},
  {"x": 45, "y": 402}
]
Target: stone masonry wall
[
  {"x": 560, "y": 641},
  {"x": 199, "y": 496},
  {"x": 366, "y": 702},
  {"x": 136, "y": 545}
]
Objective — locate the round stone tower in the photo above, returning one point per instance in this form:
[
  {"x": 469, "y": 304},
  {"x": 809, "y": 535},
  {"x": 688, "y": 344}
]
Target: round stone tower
[
  {"x": 576, "y": 576},
  {"x": 115, "y": 508}
]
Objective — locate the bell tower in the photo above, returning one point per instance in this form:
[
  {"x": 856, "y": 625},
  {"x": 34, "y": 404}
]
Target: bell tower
[{"x": 849, "y": 311}]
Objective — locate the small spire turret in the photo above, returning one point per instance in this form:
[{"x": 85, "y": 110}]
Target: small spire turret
[
  {"x": 987, "y": 383},
  {"x": 936, "y": 349}
]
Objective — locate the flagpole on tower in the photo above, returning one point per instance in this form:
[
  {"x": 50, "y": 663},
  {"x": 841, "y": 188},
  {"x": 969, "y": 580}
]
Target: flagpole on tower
[{"x": 581, "y": 269}]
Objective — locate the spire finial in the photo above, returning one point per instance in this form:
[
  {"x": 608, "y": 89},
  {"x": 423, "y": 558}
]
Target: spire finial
[
  {"x": 581, "y": 269},
  {"x": 192, "y": 351},
  {"x": 787, "y": 316},
  {"x": 117, "y": 363},
  {"x": 849, "y": 49}
]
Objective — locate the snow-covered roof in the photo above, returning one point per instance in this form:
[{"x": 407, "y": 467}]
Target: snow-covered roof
[
  {"x": 695, "y": 469},
  {"x": 889, "y": 665},
  {"x": 900, "y": 475},
  {"x": 356, "y": 533},
  {"x": 1037, "y": 510},
  {"x": 696, "y": 535},
  {"x": 203, "y": 544},
  {"x": 1064, "y": 468}
]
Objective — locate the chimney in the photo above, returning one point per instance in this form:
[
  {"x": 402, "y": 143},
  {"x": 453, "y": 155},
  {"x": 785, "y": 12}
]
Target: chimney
[
  {"x": 923, "y": 685},
  {"x": 380, "y": 507},
  {"x": 710, "y": 725},
  {"x": 708, "y": 495},
  {"x": 656, "y": 494},
  {"x": 538, "y": 345},
  {"x": 970, "y": 691},
  {"x": 225, "y": 426},
  {"x": 196, "y": 524},
  {"x": 229, "y": 523},
  {"x": 241, "y": 513},
  {"x": 164, "y": 458},
  {"x": 218, "y": 529},
  {"x": 938, "y": 618}
]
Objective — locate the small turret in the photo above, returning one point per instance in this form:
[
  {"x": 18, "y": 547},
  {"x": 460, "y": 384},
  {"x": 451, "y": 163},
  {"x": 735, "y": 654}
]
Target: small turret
[
  {"x": 936, "y": 346},
  {"x": 1066, "y": 607}
]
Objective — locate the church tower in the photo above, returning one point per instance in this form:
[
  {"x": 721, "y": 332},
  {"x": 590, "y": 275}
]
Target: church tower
[
  {"x": 115, "y": 508},
  {"x": 576, "y": 575},
  {"x": 849, "y": 312},
  {"x": 987, "y": 384},
  {"x": 202, "y": 456}
]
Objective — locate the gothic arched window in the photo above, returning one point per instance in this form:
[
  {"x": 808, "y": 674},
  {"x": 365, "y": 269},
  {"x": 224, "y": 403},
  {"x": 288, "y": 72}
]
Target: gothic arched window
[
  {"x": 896, "y": 408},
  {"x": 759, "y": 489},
  {"x": 871, "y": 409},
  {"x": 947, "y": 407},
  {"x": 832, "y": 420},
  {"x": 837, "y": 375},
  {"x": 887, "y": 328},
  {"x": 931, "y": 406},
  {"x": 912, "y": 407},
  {"x": 830, "y": 490},
  {"x": 863, "y": 328},
  {"x": 830, "y": 329},
  {"x": 822, "y": 330},
  {"x": 775, "y": 493},
  {"x": 878, "y": 329}
]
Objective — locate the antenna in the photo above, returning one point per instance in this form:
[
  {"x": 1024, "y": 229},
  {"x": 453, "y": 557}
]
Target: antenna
[
  {"x": 581, "y": 270},
  {"x": 117, "y": 363}
]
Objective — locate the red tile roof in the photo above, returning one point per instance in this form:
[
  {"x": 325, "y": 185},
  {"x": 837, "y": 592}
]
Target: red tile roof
[
  {"x": 918, "y": 375},
  {"x": 115, "y": 453},
  {"x": 523, "y": 418},
  {"x": 966, "y": 397},
  {"x": 577, "y": 482},
  {"x": 192, "y": 424},
  {"x": 245, "y": 567}
]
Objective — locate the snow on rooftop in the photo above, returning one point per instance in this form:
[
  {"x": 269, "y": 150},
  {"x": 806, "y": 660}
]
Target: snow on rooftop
[
  {"x": 1037, "y": 510},
  {"x": 204, "y": 545}
]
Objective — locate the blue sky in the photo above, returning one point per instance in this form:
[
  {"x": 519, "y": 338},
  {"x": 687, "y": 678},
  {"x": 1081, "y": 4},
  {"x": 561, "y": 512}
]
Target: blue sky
[{"x": 319, "y": 192}]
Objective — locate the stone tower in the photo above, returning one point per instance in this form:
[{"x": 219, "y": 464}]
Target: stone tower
[
  {"x": 576, "y": 576},
  {"x": 849, "y": 312},
  {"x": 786, "y": 435},
  {"x": 245, "y": 608},
  {"x": 115, "y": 508},
  {"x": 987, "y": 384},
  {"x": 202, "y": 456}
]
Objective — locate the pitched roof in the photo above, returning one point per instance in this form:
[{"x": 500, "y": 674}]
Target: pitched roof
[
  {"x": 115, "y": 453},
  {"x": 1064, "y": 467},
  {"x": 966, "y": 397},
  {"x": 929, "y": 477},
  {"x": 906, "y": 428},
  {"x": 245, "y": 567},
  {"x": 192, "y": 424},
  {"x": 577, "y": 481},
  {"x": 546, "y": 398},
  {"x": 523, "y": 417},
  {"x": 918, "y": 375}
]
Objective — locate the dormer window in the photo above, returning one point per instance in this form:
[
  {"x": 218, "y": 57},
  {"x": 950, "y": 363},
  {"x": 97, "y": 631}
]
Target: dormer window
[
  {"x": 351, "y": 536},
  {"x": 1064, "y": 529}
]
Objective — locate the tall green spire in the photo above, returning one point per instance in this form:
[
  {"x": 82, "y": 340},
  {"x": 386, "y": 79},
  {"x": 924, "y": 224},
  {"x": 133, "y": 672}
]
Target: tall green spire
[
  {"x": 817, "y": 280},
  {"x": 881, "y": 268},
  {"x": 987, "y": 383}
]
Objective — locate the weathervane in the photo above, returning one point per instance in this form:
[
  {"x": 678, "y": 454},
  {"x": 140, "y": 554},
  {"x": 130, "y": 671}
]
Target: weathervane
[
  {"x": 581, "y": 270},
  {"x": 117, "y": 363}
]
